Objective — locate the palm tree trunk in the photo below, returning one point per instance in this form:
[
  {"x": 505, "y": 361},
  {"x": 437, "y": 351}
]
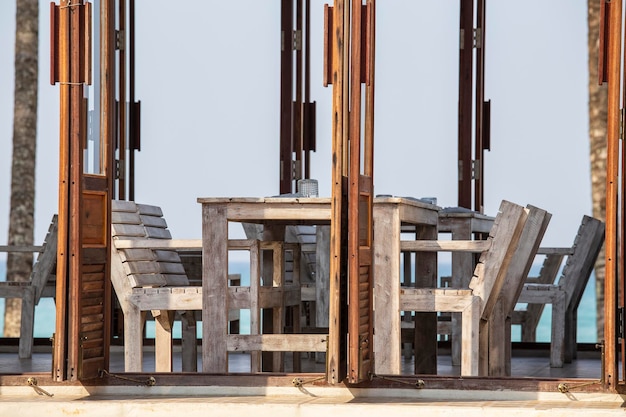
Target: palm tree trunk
[
  {"x": 597, "y": 146},
  {"x": 21, "y": 218}
]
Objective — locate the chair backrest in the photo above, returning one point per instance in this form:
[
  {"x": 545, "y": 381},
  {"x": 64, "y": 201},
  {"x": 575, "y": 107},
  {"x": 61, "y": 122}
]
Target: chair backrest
[
  {"x": 580, "y": 263},
  {"x": 534, "y": 229},
  {"x": 492, "y": 267},
  {"x": 46, "y": 261},
  {"x": 145, "y": 267}
]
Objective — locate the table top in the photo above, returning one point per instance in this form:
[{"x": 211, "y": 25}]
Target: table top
[{"x": 301, "y": 209}]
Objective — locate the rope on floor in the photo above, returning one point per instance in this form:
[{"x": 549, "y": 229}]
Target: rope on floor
[
  {"x": 33, "y": 383},
  {"x": 564, "y": 388},
  {"x": 150, "y": 382},
  {"x": 419, "y": 384}
]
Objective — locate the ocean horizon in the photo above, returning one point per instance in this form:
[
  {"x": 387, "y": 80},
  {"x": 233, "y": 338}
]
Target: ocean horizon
[{"x": 45, "y": 312}]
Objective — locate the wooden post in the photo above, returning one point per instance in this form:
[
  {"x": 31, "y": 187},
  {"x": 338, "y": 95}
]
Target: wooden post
[{"x": 610, "y": 377}]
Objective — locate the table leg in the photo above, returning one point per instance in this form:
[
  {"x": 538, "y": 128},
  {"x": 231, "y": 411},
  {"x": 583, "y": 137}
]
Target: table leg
[
  {"x": 214, "y": 289},
  {"x": 426, "y": 323}
]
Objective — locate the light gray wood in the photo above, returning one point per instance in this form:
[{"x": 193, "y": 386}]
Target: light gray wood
[
  {"x": 461, "y": 224},
  {"x": 7, "y": 248},
  {"x": 567, "y": 292},
  {"x": 472, "y": 246},
  {"x": 279, "y": 212},
  {"x": 31, "y": 291},
  {"x": 138, "y": 273},
  {"x": 499, "y": 349},
  {"x": 278, "y": 343},
  {"x": 483, "y": 290}
]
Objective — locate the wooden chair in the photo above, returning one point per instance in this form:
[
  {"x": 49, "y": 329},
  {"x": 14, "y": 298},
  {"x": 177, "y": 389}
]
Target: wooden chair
[
  {"x": 499, "y": 333},
  {"x": 137, "y": 270},
  {"x": 41, "y": 284},
  {"x": 565, "y": 294},
  {"x": 148, "y": 275},
  {"x": 477, "y": 303}
]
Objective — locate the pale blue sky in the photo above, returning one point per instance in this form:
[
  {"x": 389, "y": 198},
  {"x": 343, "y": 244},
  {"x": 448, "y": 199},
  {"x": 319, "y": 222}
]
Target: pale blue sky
[{"x": 208, "y": 76}]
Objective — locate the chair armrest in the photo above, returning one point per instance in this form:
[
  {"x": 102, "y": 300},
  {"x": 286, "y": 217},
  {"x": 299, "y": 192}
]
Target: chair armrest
[{"x": 475, "y": 246}]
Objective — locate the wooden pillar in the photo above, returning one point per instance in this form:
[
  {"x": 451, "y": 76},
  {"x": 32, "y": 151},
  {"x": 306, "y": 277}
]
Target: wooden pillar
[
  {"x": 482, "y": 110},
  {"x": 465, "y": 103},
  {"x": 611, "y": 376},
  {"x": 286, "y": 98}
]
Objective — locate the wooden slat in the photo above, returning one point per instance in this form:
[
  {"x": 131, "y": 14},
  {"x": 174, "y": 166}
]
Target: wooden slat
[
  {"x": 277, "y": 343},
  {"x": 475, "y": 246},
  {"x": 178, "y": 244},
  {"x": 153, "y": 221}
]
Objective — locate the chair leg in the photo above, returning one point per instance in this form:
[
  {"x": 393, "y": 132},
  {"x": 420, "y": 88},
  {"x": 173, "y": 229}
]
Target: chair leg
[
  {"x": 163, "y": 340},
  {"x": 470, "y": 322},
  {"x": 570, "y": 336},
  {"x": 557, "y": 339},
  {"x": 189, "y": 342},
  {"x": 26, "y": 326},
  {"x": 133, "y": 339},
  {"x": 497, "y": 341}
]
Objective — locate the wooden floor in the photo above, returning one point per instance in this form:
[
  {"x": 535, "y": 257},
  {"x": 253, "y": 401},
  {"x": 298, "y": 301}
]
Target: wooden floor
[
  {"x": 527, "y": 362},
  {"x": 534, "y": 390}
]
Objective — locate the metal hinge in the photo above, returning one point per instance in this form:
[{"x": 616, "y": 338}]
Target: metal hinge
[
  {"x": 476, "y": 169},
  {"x": 297, "y": 40},
  {"x": 120, "y": 40},
  {"x": 620, "y": 319},
  {"x": 296, "y": 171},
  {"x": 477, "y": 38},
  {"x": 621, "y": 124}
]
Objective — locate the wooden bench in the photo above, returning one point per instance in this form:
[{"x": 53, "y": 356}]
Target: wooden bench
[
  {"x": 41, "y": 284},
  {"x": 564, "y": 295},
  {"x": 477, "y": 303}
]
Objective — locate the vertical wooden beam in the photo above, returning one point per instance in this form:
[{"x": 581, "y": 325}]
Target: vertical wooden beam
[
  {"x": 353, "y": 193},
  {"x": 610, "y": 376},
  {"x": 465, "y": 103},
  {"x": 58, "y": 371},
  {"x": 286, "y": 98},
  {"x": 297, "y": 104},
  {"x": 336, "y": 366},
  {"x": 479, "y": 150},
  {"x": 107, "y": 123},
  {"x": 214, "y": 289},
  {"x": 74, "y": 258},
  {"x": 121, "y": 184},
  {"x": 133, "y": 115}
]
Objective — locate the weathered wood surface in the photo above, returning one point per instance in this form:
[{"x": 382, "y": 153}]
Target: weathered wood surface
[
  {"x": 565, "y": 294},
  {"x": 485, "y": 287},
  {"x": 137, "y": 273},
  {"x": 462, "y": 224},
  {"x": 392, "y": 218},
  {"x": 30, "y": 292},
  {"x": 281, "y": 212},
  {"x": 499, "y": 349}
]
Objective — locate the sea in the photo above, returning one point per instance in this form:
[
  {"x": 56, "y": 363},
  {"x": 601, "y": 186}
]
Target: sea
[{"x": 45, "y": 315}]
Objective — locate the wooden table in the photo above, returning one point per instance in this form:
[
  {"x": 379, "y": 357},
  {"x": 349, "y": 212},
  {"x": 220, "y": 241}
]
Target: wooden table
[
  {"x": 462, "y": 224},
  {"x": 390, "y": 214}
]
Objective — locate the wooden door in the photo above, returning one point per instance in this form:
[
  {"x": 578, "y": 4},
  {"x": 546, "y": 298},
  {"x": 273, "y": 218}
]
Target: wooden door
[
  {"x": 81, "y": 341},
  {"x": 349, "y": 67},
  {"x": 360, "y": 195}
]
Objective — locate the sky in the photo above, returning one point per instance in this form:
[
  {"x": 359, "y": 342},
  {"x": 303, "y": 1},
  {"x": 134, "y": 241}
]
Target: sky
[{"x": 207, "y": 75}]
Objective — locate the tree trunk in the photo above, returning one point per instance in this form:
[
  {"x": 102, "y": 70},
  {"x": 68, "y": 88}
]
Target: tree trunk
[
  {"x": 21, "y": 218},
  {"x": 597, "y": 146}
]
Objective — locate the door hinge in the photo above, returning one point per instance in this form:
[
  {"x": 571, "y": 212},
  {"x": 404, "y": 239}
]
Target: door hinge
[
  {"x": 120, "y": 40},
  {"x": 477, "y": 38},
  {"x": 621, "y": 124},
  {"x": 620, "y": 319},
  {"x": 297, "y": 40}
]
